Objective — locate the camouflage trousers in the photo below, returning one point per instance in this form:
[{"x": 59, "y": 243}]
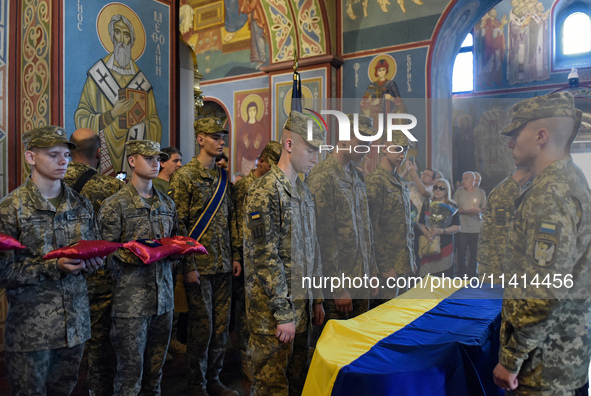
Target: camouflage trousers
[
  {"x": 207, "y": 333},
  {"x": 530, "y": 392},
  {"x": 49, "y": 372},
  {"x": 140, "y": 345},
  {"x": 239, "y": 314},
  {"x": 359, "y": 306},
  {"x": 278, "y": 369},
  {"x": 102, "y": 362}
]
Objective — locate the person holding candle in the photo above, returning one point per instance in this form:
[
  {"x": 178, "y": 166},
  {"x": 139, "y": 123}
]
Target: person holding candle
[{"x": 471, "y": 203}]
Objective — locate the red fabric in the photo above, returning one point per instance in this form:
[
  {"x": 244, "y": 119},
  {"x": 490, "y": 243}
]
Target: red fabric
[
  {"x": 150, "y": 251},
  {"x": 189, "y": 245},
  {"x": 84, "y": 250},
  {"x": 9, "y": 243}
]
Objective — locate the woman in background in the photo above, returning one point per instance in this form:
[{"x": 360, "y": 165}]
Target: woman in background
[{"x": 439, "y": 218}]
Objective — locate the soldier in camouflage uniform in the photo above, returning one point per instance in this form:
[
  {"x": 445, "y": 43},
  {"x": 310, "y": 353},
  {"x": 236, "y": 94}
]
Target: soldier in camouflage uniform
[
  {"x": 280, "y": 247},
  {"x": 208, "y": 278},
  {"x": 545, "y": 340},
  {"x": 48, "y": 311},
  {"x": 269, "y": 156},
  {"x": 389, "y": 208},
  {"x": 344, "y": 227},
  {"x": 142, "y": 294},
  {"x": 98, "y": 187},
  {"x": 496, "y": 219}
]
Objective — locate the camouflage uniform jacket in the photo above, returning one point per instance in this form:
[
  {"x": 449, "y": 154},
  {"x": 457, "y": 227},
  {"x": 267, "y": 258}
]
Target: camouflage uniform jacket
[
  {"x": 548, "y": 340},
  {"x": 191, "y": 188},
  {"x": 98, "y": 188},
  {"x": 138, "y": 289},
  {"x": 389, "y": 208},
  {"x": 240, "y": 189},
  {"x": 279, "y": 248},
  {"x": 47, "y": 308},
  {"x": 496, "y": 219},
  {"x": 344, "y": 228}
]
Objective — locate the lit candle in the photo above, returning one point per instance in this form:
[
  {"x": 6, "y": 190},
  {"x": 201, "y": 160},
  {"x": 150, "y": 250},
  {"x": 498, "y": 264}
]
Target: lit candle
[{"x": 475, "y": 201}]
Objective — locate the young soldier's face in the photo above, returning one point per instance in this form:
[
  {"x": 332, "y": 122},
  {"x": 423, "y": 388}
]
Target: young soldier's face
[
  {"x": 303, "y": 155},
  {"x": 50, "y": 163},
  {"x": 213, "y": 143},
  {"x": 523, "y": 146},
  {"x": 146, "y": 167},
  {"x": 396, "y": 158}
]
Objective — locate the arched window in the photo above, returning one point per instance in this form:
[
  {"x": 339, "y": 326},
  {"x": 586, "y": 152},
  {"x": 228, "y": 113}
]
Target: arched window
[
  {"x": 463, "y": 71},
  {"x": 572, "y": 36},
  {"x": 576, "y": 37}
]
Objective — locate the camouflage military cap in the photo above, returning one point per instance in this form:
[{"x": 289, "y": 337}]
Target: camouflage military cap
[
  {"x": 46, "y": 136},
  {"x": 209, "y": 125},
  {"x": 561, "y": 104},
  {"x": 145, "y": 147},
  {"x": 364, "y": 123},
  {"x": 400, "y": 139},
  {"x": 298, "y": 123},
  {"x": 272, "y": 151}
]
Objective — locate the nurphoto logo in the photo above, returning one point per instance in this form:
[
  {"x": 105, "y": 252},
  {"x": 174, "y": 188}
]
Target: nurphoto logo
[{"x": 345, "y": 129}]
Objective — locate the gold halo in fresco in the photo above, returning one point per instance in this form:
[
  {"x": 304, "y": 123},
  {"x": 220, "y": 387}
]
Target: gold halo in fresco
[
  {"x": 248, "y": 100},
  {"x": 307, "y": 101},
  {"x": 371, "y": 70},
  {"x": 102, "y": 28}
]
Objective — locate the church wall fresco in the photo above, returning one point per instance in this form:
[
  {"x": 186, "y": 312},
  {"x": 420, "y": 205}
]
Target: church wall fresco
[
  {"x": 132, "y": 78},
  {"x": 512, "y": 50},
  {"x": 238, "y": 37}
]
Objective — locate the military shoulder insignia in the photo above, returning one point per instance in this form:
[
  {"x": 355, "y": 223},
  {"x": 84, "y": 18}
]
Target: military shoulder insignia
[
  {"x": 545, "y": 244},
  {"x": 256, "y": 223},
  {"x": 500, "y": 216}
]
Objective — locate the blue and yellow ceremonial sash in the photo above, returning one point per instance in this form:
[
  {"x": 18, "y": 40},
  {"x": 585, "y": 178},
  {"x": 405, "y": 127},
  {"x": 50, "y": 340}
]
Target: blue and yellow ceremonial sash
[{"x": 211, "y": 208}]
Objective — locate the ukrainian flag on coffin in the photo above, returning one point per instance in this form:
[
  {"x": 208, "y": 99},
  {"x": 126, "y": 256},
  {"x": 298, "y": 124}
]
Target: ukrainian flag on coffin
[{"x": 444, "y": 342}]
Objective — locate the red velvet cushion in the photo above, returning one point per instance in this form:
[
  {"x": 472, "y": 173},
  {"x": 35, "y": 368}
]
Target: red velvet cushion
[
  {"x": 150, "y": 251},
  {"x": 84, "y": 250},
  {"x": 189, "y": 245},
  {"x": 9, "y": 243}
]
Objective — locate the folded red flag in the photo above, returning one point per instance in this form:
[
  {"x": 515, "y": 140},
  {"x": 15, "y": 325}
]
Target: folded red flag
[
  {"x": 150, "y": 251},
  {"x": 84, "y": 250},
  {"x": 189, "y": 245},
  {"x": 9, "y": 243}
]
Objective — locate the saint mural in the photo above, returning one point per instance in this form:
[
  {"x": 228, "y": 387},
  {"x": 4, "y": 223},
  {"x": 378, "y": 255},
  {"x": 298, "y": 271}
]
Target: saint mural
[
  {"x": 381, "y": 97},
  {"x": 117, "y": 101},
  {"x": 252, "y": 136}
]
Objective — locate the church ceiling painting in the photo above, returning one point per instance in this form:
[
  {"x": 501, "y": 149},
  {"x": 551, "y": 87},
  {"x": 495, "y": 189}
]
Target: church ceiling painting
[{"x": 237, "y": 37}]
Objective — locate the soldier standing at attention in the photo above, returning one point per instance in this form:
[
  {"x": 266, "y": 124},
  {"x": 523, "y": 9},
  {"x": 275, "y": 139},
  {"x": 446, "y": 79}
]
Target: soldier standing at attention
[
  {"x": 280, "y": 247},
  {"x": 202, "y": 194},
  {"x": 48, "y": 317},
  {"x": 269, "y": 156},
  {"x": 389, "y": 208},
  {"x": 496, "y": 219},
  {"x": 545, "y": 339},
  {"x": 142, "y": 294},
  {"x": 84, "y": 179},
  {"x": 344, "y": 227}
]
